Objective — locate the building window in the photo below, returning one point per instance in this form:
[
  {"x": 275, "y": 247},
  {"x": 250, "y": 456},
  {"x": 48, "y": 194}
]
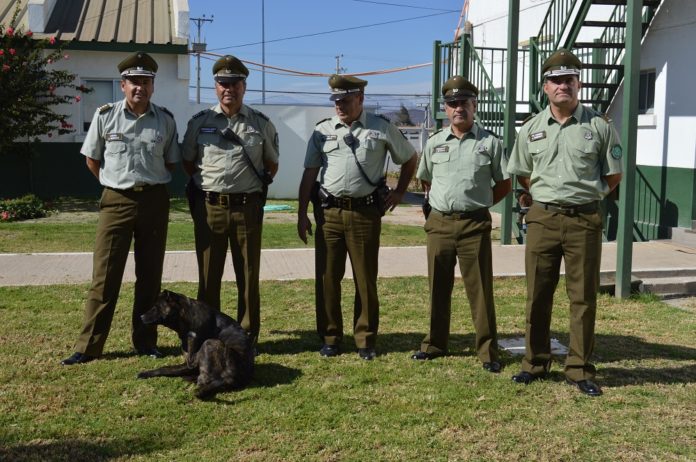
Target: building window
[
  {"x": 103, "y": 91},
  {"x": 646, "y": 99}
]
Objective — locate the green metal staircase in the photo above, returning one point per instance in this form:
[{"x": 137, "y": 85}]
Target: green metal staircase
[{"x": 565, "y": 25}]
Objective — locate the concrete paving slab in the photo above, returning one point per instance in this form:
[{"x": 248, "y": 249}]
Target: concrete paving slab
[{"x": 286, "y": 264}]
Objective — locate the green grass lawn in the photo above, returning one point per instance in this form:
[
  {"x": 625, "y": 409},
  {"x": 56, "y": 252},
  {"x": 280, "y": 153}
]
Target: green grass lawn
[
  {"x": 302, "y": 407},
  {"x": 72, "y": 228}
]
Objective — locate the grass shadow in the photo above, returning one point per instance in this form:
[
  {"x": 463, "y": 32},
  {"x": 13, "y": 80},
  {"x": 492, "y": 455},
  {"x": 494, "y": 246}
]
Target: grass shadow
[
  {"x": 77, "y": 449},
  {"x": 268, "y": 375}
]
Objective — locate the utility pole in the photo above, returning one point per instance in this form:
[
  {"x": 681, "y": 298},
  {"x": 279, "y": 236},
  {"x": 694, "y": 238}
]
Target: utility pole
[
  {"x": 197, "y": 47},
  {"x": 339, "y": 69},
  {"x": 263, "y": 52}
]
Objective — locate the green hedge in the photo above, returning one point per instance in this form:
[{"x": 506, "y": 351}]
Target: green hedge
[{"x": 23, "y": 208}]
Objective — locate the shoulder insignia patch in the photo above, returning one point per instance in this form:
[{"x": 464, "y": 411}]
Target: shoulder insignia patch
[
  {"x": 198, "y": 114},
  {"x": 616, "y": 151},
  {"x": 323, "y": 120},
  {"x": 104, "y": 108},
  {"x": 167, "y": 111}
]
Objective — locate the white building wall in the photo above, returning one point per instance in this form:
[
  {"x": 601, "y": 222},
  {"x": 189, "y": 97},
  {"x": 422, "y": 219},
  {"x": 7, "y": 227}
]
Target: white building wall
[{"x": 668, "y": 137}]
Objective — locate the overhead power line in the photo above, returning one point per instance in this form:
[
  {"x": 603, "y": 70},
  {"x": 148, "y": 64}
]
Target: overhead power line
[
  {"x": 405, "y": 6},
  {"x": 331, "y": 31}
]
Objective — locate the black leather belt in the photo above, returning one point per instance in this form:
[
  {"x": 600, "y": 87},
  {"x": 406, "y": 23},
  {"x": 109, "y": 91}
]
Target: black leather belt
[
  {"x": 466, "y": 215},
  {"x": 591, "y": 207},
  {"x": 139, "y": 188},
  {"x": 351, "y": 203},
  {"x": 226, "y": 200}
]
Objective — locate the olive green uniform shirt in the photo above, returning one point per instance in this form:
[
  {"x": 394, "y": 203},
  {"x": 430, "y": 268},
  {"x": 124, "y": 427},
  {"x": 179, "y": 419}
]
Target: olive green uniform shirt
[
  {"x": 374, "y": 136},
  {"x": 221, "y": 164},
  {"x": 132, "y": 149},
  {"x": 462, "y": 171},
  {"x": 566, "y": 163}
]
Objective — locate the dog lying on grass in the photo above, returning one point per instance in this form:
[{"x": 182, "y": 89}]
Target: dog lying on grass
[{"x": 218, "y": 353}]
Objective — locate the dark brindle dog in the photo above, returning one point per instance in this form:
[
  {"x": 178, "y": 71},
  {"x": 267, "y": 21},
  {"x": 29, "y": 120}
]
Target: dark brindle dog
[{"x": 218, "y": 353}]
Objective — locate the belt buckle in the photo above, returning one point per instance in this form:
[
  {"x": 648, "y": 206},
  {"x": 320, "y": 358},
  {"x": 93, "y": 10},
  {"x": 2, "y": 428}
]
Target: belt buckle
[
  {"x": 346, "y": 203},
  {"x": 223, "y": 200}
]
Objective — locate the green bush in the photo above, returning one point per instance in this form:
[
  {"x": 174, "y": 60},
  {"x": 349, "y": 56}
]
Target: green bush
[{"x": 23, "y": 208}]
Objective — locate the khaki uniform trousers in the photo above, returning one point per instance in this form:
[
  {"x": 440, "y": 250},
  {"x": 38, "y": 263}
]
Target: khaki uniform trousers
[
  {"x": 354, "y": 233},
  {"x": 124, "y": 215},
  {"x": 578, "y": 240},
  {"x": 469, "y": 239},
  {"x": 239, "y": 225}
]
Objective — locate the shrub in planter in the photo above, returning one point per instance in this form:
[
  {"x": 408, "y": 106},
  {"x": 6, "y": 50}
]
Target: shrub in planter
[{"x": 23, "y": 208}]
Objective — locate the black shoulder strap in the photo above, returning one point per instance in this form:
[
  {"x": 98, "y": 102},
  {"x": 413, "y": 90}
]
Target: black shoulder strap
[{"x": 355, "y": 157}]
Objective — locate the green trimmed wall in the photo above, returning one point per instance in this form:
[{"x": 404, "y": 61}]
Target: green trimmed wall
[
  {"x": 665, "y": 198},
  {"x": 56, "y": 169}
]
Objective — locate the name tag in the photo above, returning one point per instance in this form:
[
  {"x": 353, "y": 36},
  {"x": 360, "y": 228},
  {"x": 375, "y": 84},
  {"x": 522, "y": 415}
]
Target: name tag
[
  {"x": 330, "y": 137},
  {"x": 537, "y": 136},
  {"x": 441, "y": 149},
  {"x": 208, "y": 130},
  {"x": 114, "y": 137}
]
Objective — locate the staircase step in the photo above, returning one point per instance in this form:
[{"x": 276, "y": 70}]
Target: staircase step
[
  {"x": 602, "y": 66},
  {"x": 604, "y": 24},
  {"x": 651, "y": 3},
  {"x": 663, "y": 283},
  {"x": 599, "y": 85},
  {"x": 598, "y": 45}
]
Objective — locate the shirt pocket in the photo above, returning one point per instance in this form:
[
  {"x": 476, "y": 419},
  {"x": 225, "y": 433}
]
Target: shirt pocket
[
  {"x": 154, "y": 143},
  {"x": 212, "y": 152},
  {"x": 329, "y": 146},
  {"x": 481, "y": 166},
  {"x": 115, "y": 155},
  {"x": 585, "y": 157},
  {"x": 440, "y": 161}
]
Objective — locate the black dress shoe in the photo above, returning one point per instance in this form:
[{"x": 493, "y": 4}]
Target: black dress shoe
[
  {"x": 329, "y": 351},
  {"x": 422, "y": 356},
  {"x": 77, "y": 358},
  {"x": 368, "y": 354},
  {"x": 151, "y": 352},
  {"x": 493, "y": 366},
  {"x": 587, "y": 387},
  {"x": 525, "y": 378}
]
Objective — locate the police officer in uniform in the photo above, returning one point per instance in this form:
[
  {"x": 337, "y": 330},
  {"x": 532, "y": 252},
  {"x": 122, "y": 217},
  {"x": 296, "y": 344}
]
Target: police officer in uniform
[
  {"x": 231, "y": 152},
  {"x": 569, "y": 158},
  {"x": 462, "y": 173},
  {"x": 131, "y": 147},
  {"x": 347, "y": 154}
]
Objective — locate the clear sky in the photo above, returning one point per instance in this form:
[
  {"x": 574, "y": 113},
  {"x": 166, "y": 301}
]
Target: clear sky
[{"x": 307, "y": 35}]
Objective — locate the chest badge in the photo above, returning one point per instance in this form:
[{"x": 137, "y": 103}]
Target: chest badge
[
  {"x": 114, "y": 137},
  {"x": 330, "y": 137},
  {"x": 442, "y": 148},
  {"x": 588, "y": 136},
  {"x": 537, "y": 136},
  {"x": 373, "y": 134},
  {"x": 482, "y": 149},
  {"x": 250, "y": 129}
]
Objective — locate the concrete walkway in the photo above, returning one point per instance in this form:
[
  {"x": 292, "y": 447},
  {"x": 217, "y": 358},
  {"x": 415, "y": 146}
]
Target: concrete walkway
[{"x": 286, "y": 264}]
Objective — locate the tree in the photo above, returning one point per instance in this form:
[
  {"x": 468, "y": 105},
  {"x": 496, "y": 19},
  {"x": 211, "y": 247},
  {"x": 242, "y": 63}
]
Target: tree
[{"x": 31, "y": 89}]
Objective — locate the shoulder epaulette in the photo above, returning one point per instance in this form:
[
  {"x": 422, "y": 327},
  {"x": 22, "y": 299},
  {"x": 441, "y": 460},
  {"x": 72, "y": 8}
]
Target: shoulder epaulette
[
  {"x": 323, "y": 120},
  {"x": 104, "y": 108},
  {"x": 260, "y": 114},
  {"x": 167, "y": 111},
  {"x": 491, "y": 133},
  {"x": 198, "y": 114},
  {"x": 528, "y": 118},
  {"x": 382, "y": 116},
  {"x": 435, "y": 133}
]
